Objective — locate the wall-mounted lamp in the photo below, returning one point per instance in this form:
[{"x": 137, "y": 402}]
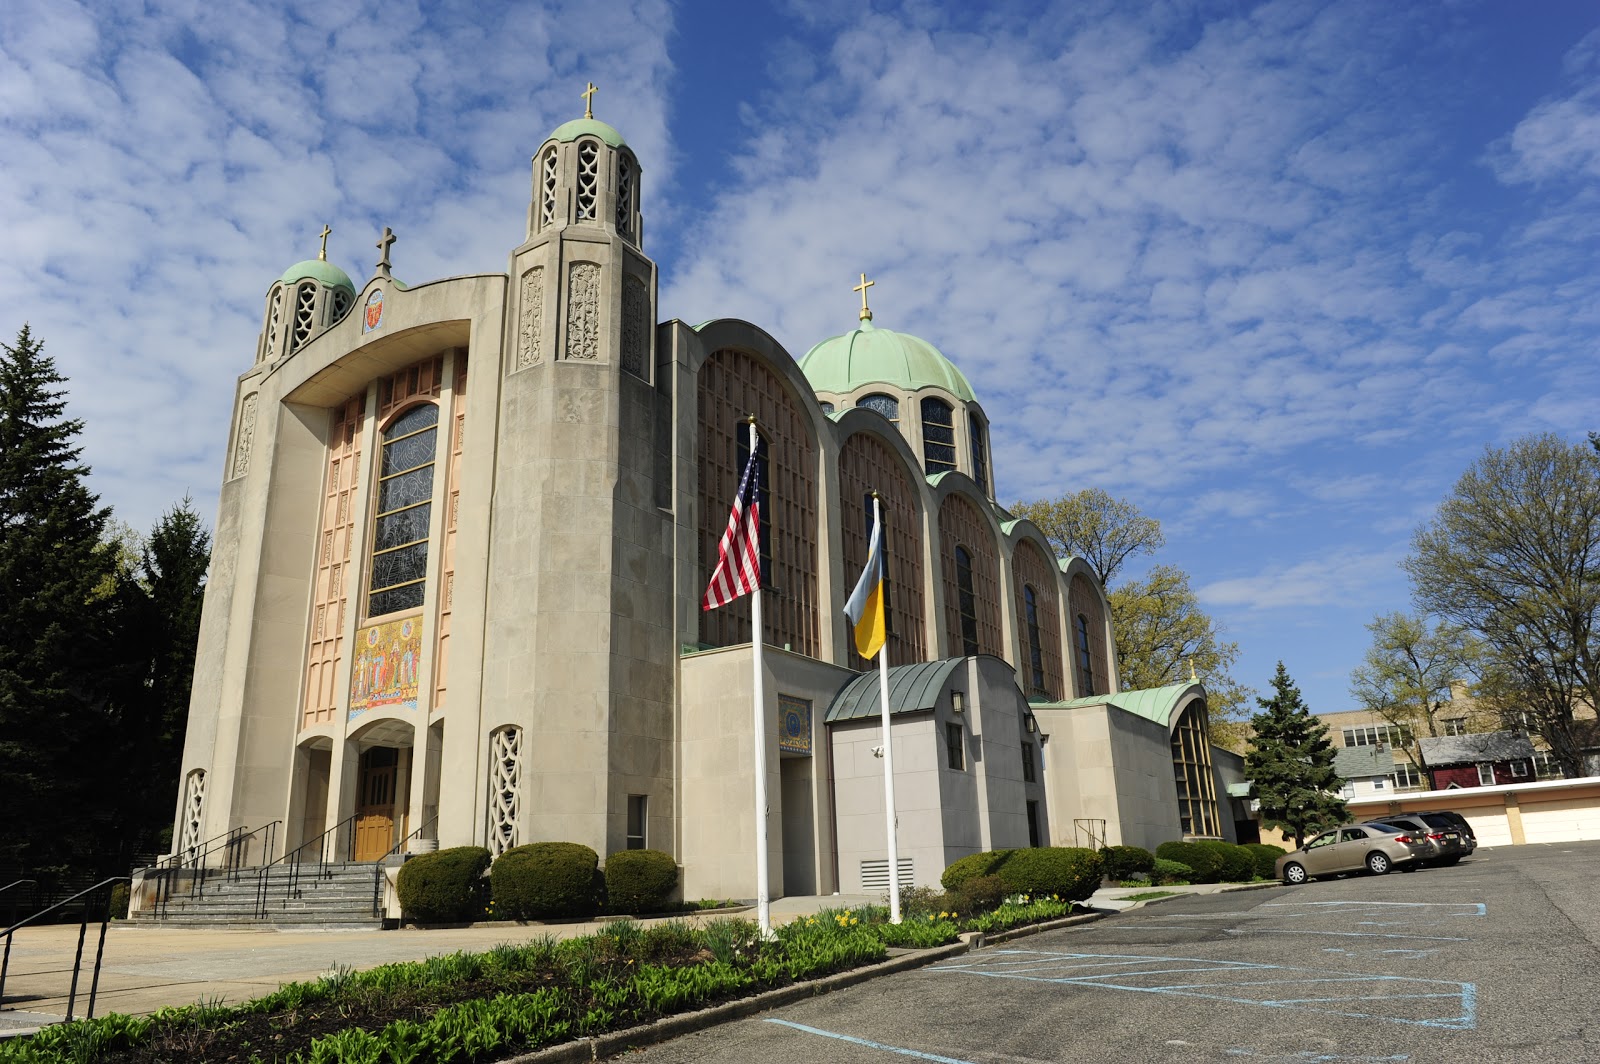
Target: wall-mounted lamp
[
  {"x": 1032, "y": 722},
  {"x": 958, "y": 702}
]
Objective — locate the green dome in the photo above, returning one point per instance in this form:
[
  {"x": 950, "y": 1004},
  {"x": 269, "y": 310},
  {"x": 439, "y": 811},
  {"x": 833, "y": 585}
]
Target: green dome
[
  {"x": 321, "y": 271},
  {"x": 871, "y": 355},
  {"x": 593, "y": 127}
]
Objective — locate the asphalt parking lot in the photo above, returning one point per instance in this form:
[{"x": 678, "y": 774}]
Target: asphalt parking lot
[{"x": 1492, "y": 960}]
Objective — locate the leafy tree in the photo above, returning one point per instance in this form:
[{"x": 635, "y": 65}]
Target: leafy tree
[
  {"x": 1103, "y": 531},
  {"x": 1290, "y": 764},
  {"x": 1513, "y": 554},
  {"x": 1161, "y": 632},
  {"x": 1407, "y": 674},
  {"x": 52, "y": 569}
]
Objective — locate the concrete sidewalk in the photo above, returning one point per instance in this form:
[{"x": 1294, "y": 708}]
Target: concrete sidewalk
[{"x": 146, "y": 968}]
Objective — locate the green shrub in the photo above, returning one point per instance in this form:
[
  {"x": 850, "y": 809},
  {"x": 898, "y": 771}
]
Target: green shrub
[
  {"x": 926, "y": 901},
  {"x": 1206, "y": 864},
  {"x": 1166, "y": 871},
  {"x": 1238, "y": 865},
  {"x": 444, "y": 887},
  {"x": 1126, "y": 862},
  {"x": 986, "y": 863},
  {"x": 546, "y": 880},
  {"x": 640, "y": 881},
  {"x": 118, "y": 901},
  {"x": 1071, "y": 873},
  {"x": 1266, "y": 857},
  {"x": 979, "y": 894}
]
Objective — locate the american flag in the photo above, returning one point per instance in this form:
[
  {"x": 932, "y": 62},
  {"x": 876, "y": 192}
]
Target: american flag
[{"x": 738, "y": 569}]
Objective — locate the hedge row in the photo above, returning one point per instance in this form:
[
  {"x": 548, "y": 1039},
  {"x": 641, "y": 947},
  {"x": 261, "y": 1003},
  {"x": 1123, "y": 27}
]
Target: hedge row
[
  {"x": 540, "y": 881},
  {"x": 1070, "y": 873}
]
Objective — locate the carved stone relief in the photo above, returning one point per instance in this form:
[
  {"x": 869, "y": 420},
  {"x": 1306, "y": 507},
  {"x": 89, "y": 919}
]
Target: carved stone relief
[
  {"x": 635, "y": 326},
  {"x": 583, "y": 312},
  {"x": 531, "y": 328},
  {"x": 245, "y": 437}
]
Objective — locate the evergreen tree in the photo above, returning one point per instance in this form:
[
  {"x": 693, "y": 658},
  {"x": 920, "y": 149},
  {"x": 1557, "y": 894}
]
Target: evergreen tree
[
  {"x": 1290, "y": 764},
  {"x": 52, "y": 570}
]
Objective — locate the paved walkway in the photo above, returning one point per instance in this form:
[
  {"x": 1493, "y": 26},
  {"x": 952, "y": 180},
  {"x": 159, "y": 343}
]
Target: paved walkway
[{"x": 146, "y": 968}]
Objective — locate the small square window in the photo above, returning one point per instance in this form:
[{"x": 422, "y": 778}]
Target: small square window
[
  {"x": 1378, "y": 785},
  {"x": 637, "y": 803},
  {"x": 1519, "y": 768},
  {"x": 1486, "y": 774},
  {"x": 955, "y": 748}
]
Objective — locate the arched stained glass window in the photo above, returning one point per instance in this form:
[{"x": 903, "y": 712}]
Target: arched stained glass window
[
  {"x": 968, "y": 602},
  {"x": 938, "y": 436},
  {"x": 405, "y": 507},
  {"x": 980, "y": 452},
  {"x": 887, "y": 405},
  {"x": 1191, "y": 770},
  {"x": 1080, "y": 628},
  {"x": 1030, "y": 603}
]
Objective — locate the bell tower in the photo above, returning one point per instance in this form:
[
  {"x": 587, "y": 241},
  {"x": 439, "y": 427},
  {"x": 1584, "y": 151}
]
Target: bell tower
[{"x": 579, "y": 639}]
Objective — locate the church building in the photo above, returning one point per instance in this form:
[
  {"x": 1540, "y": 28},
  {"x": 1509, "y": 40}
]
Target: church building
[{"x": 465, "y": 528}]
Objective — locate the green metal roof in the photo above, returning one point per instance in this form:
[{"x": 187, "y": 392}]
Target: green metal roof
[
  {"x": 1153, "y": 704},
  {"x": 869, "y": 355},
  {"x": 912, "y": 688},
  {"x": 319, "y": 270},
  {"x": 567, "y": 132}
]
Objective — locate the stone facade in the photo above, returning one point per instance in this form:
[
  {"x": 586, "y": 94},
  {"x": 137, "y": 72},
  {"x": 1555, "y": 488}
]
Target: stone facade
[{"x": 459, "y": 558}]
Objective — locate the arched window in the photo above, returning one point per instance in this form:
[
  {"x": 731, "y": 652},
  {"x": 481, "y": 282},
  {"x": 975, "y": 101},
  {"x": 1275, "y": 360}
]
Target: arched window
[
  {"x": 1080, "y": 629},
  {"x": 1191, "y": 769},
  {"x": 827, "y": 408},
  {"x": 305, "y": 311},
  {"x": 967, "y": 602},
  {"x": 1030, "y": 605},
  {"x": 887, "y": 405},
  {"x": 505, "y": 789},
  {"x": 624, "y": 195},
  {"x": 404, "y": 509},
  {"x": 547, "y": 189},
  {"x": 342, "y": 302},
  {"x": 194, "y": 812},
  {"x": 980, "y": 452},
  {"x": 588, "y": 179},
  {"x": 938, "y": 436},
  {"x": 866, "y": 464}
]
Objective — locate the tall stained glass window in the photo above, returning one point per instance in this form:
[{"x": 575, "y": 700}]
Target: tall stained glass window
[
  {"x": 968, "y": 602},
  {"x": 405, "y": 505},
  {"x": 938, "y": 436}
]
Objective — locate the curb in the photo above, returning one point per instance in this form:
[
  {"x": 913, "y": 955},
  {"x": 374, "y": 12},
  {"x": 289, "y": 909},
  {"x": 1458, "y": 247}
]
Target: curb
[{"x": 603, "y": 1046}]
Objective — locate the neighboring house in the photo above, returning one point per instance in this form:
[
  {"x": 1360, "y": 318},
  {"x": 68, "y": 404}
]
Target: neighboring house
[
  {"x": 1365, "y": 770},
  {"x": 1481, "y": 760}
]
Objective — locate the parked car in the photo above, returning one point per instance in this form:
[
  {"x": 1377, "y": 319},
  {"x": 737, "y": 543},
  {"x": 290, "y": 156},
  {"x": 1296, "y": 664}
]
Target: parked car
[
  {"x": 1442, "y": 830},
  {"x": 1372, "y": 846},
  {"x": 1459, "y": 822}
]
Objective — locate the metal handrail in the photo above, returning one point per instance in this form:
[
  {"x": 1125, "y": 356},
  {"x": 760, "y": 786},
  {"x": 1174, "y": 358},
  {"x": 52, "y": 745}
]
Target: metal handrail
[
  {"x": 377, "y": 869},
  {"x": 292, "y": 860},
  {"x": 233, "y": 842},
  {"x": 83, "y": 929},
  {"x": 205, "y": 848},
  {"x": 18, "y": 883}
]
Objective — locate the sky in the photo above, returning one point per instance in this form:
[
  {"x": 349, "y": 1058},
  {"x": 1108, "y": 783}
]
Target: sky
[{"x": 1276, "y": 273}]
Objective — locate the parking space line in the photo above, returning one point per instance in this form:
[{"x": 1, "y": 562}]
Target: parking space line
[
  {"x": 1477, "y": 908},
  {"x": 1292, "y": 931},
  {"x": 869, "y": 1044}
]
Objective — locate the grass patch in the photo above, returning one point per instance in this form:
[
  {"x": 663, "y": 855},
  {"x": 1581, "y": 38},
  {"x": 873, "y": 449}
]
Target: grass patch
[{"x": 1152, "y": 895}]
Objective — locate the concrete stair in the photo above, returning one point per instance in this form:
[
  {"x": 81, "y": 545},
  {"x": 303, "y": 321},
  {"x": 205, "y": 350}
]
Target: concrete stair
[{"x": 333, "y": 896}]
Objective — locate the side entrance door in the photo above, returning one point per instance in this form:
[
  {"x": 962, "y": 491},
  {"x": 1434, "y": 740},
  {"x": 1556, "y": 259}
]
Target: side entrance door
[{"x": 375, "y": 803}]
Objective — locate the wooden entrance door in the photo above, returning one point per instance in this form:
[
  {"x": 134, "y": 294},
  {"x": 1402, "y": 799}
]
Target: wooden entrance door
[{"x": 375, "y": 802}]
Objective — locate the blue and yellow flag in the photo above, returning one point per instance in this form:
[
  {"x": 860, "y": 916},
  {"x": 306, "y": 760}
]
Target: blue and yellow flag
[{"x": 865, "y": 608}]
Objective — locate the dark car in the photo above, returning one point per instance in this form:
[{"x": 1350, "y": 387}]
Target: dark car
[
  {"x": 1447, "y": 842},
  {"x": 1456, "y": 820},
  {"x": 1459, "y": 840}
]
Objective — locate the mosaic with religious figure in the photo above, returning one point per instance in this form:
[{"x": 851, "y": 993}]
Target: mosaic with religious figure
[{"x": 388, "y": 659}]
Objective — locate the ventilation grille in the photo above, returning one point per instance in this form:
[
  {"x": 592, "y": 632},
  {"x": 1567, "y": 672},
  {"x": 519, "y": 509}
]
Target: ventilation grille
[{"x": 875, "y": 874}]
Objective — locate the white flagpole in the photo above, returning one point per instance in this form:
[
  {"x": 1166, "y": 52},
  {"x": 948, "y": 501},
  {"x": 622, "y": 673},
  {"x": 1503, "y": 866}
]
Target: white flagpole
[
  {"x": 763, "y": 895},
  {"x": 888, "y": 747}
]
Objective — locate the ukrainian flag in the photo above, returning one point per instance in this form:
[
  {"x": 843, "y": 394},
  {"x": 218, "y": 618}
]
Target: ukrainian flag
[{"x": 865, "y": 608}]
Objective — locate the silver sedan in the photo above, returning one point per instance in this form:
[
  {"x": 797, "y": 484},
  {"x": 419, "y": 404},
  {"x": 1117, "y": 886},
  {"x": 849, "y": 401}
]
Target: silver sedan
[{"x": 1374, "y": 847}]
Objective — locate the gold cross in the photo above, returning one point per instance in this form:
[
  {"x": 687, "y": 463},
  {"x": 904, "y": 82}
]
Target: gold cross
[
  {"x": 323, "y": 254},
  {"x": 866, "y": 313},
  {"x": 588, "y": 100}
]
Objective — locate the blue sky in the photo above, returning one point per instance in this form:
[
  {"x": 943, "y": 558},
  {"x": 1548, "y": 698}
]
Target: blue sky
[{"x": 1276, "y": 273}]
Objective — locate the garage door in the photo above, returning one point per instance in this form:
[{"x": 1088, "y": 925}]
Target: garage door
[
  {"x": 1489, "y": 826},
  {"x": 1567, "y": 821}
]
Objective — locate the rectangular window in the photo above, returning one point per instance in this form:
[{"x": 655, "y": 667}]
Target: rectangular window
[
  {"x": 1033, "y": 823},
  {"x": 1085, "y": 658},
  {"x": 1546, "y": 765},
  {"x": 954, "y": 748},
  {"x": 1378, "y": 785},
  {"x": 1027, "y": 763},
  {"x": 1454, "y": 725},
  {"x": 1519, "y": 768},
  {"x": 1406, "y": 777},
  {"x": 1486, "y": 774},
  {"x": 637, "y": 804}
]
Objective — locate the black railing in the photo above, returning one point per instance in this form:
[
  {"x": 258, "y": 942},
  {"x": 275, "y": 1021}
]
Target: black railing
[
  {"x": 234, "y": 849},
  {"x": 83, "y": 930},
  {"x": 339, "y": 839},
  {"x": 15, "y": 899}
]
